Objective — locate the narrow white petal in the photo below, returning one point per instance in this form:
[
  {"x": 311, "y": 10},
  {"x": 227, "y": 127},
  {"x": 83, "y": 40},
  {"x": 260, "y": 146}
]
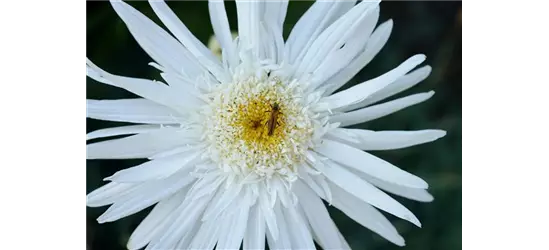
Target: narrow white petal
[
  {"x": 403, "y": 83},
  {"x": 375, "y": 43},
  {"x": 319, "y": 16},
  {"x": 249, "y": 21},
  {"x": 342, "y": 239},
  {"x": 144, "y": 233},
  {"x": 188, "y": 236},
  {"x": 218, "y": 206},
  {"x": 417, "y": 194},
  {"x": 137, "y": 110},
  {"x": 369, "y": 164},
  {"x": 160, "y": 45},
  {"x": 384, "y": 140},
  {"x": 335, "y": 36},
  {"x": 123, "y": 130},
  {"x": 318, "y": 184},
  {"x": 190, "y": 90},
  {"x": 108, "y": 193},
  {"x": 270, "y": 216},
  {"x": 220, "y": 24},
  {"x": 174, "y": 151},
  {"x": 154, "y": 91},
  {"x": 182, "y": 223},
  {"x": 341, "y": 58},
  {"x": 180, "y": 31},
  {"x": 275, "y": 12},
  {"x": 365, "y": 191},
  {"x": 283, "y": 241},
  {"x": 312, "y": 184},
  {"x": 206, "y": 237},
  {"x": 365, "y": 215},
  {"x": 255, "y": 230},
  {"x": 157, "y": 169},
  {"x": 141, "y": 145},
  {"x": 323, "y": 227},
  {"x": 233, "y": 239},
  {"x": 145, "y": 196},
  {"x": 379, "y": 110},
  {"x": 300, "y": 236},
  {"x": 207, "y": 185},
  {"x": 277, "y": 43},
  {"x": 363, "y": 90}
]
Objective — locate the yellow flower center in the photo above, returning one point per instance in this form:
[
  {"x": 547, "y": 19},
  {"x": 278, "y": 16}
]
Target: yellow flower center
[{"x": 260, "y": 126}]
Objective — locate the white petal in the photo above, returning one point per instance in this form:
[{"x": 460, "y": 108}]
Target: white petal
[
  {"x": 275, "y": 12},
  {"x": 365, "y": 191},
  {"x": 144, "y": 233},
  {"x": 270, "y": 216},
  {"x": 174, "y": 151},
  {"x": 379, "y": 110},
  {"x": 324, "y": 229},
  {"x": 145, "y": 196},
  {"x": 160, "y": 45},
  {"x": 384, "y": 140},
  {"x": 220, "y": 24},
  {"x": 124, "y": 130},
  {"x": 131, "y": 110},
  {"x": 369, "y": 164},
  {"x": 255, "y": 230},
  {"x": 363, "y": 90},
  {"x": 249, "y": 21},
  {"x": 335, "y": 36},
  {"x": 375, "y": 43},
  {"x": 283, "y": 241},
  {"x": 318, "y": 184},
  {"x": 340, "y": 58},
  {"x": 206, "y": 237},
  {"x": 108, "y": 193},
  {"x": 416, "y": 194},
  {"x": 182, "y": 223},
  {"x": 319, "y": 16},
  {"x": 188, "y": 236},
  {"x": 219, "y": 205},
  {"x": 154, "y": 91},
  {"x": 365, "y": 215},
  {"x": 233, "y": 239},
  {"x": 300, "y": 236},
  {"x": 157, "y": 169},
  {"x": 190, "y": 88},
  {"x": 197, "y": 48},
  {"x": 312, "y": 184},
  {"x": 403, "y": 83},
  {"x": 277, "y": 43},
  {"x": 207, "y": 185},
  {"x": 141, "y": 145}
]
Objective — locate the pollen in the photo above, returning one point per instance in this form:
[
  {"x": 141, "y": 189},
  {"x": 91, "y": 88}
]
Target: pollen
[
  {"x": 259, "y": 126},
  {"x": 255, "y": 118}
]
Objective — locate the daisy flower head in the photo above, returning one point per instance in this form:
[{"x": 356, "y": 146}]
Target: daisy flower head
[{"x": 246, "y": 146}]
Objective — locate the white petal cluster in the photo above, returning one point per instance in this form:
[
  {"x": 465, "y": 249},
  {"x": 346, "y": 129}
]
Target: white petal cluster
[{"x": 247, "y": 147}]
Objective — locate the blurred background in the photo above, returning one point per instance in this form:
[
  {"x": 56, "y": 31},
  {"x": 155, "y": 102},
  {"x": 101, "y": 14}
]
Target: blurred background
[{"x": 429, "y": 27}]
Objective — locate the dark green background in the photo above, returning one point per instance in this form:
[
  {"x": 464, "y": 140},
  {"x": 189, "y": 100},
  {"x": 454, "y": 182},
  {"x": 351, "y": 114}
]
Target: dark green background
[{"x": 429, "y": 27}]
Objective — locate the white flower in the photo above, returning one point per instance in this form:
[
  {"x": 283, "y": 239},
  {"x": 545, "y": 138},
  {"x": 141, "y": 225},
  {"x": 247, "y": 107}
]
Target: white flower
[{"x": 249, "y": 146}]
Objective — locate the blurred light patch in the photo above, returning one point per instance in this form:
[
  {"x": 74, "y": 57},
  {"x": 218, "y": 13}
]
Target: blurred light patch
[{"x": 214, "y": 45}]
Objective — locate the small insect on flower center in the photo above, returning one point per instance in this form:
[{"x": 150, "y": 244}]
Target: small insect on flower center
[{"x": 259, "y": 125}]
